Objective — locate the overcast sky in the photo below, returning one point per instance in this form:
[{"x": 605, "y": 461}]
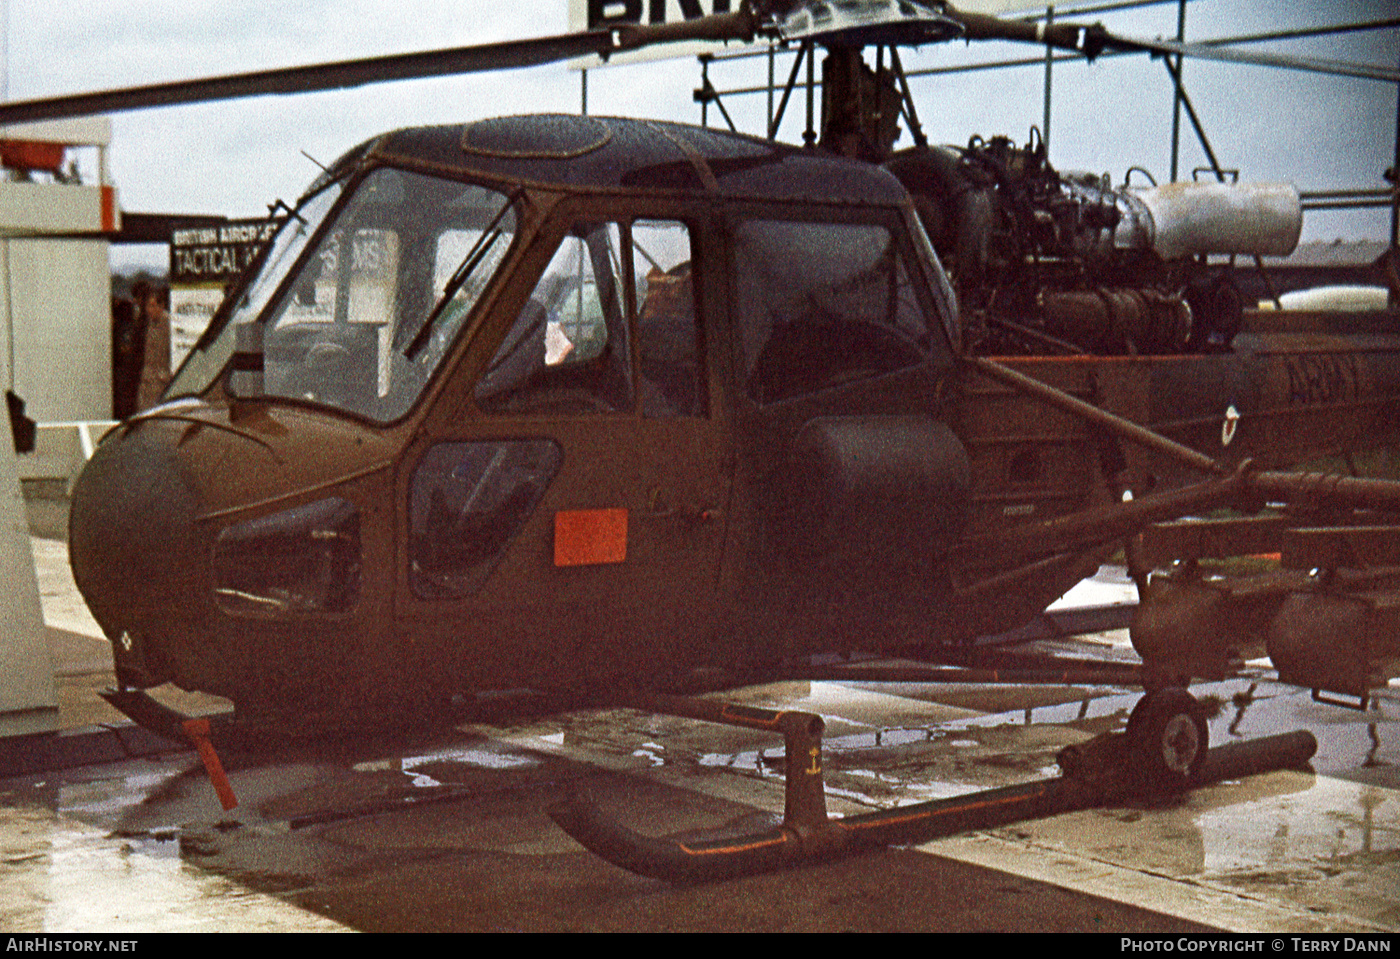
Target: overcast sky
[{"x": 234, "y": 158}]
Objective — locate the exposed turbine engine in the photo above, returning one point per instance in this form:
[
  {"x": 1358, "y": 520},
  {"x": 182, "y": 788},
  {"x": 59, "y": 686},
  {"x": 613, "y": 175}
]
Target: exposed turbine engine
[{"x": 1041, "y": 258}]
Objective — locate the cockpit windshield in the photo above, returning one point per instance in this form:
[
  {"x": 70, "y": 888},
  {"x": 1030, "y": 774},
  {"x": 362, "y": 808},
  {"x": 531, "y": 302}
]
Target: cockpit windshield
[
  {"x": 210, "y": 355},
  {"x": 360, "y": 320}
]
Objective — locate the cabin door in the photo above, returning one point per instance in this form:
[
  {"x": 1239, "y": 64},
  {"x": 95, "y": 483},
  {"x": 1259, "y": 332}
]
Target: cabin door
[{"x": 579, "y": 522}]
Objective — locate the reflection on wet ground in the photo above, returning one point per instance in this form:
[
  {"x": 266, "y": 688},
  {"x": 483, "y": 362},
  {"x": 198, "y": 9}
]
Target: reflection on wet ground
[
  {"x": 450, "y": 832},
  {"x": 1275, "y": 851},
  {"x": 66, "y": 869}
]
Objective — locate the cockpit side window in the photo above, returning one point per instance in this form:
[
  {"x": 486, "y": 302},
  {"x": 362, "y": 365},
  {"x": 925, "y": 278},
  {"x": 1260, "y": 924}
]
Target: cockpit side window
[
  {"x": 568, "y": 350},
  {"x": 668, "y": 342},
  {"x": 822, "y": 305},
  {"x": 571, "y": 348}
]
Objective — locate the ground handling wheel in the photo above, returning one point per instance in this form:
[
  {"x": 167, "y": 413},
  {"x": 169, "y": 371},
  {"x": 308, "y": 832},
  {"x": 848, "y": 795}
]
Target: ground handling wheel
[{"x": 1168, "y": 737}]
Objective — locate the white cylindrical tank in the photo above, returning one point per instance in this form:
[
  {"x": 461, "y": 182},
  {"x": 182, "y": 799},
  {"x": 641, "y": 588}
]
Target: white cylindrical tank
[
  {"x": 1347, "y": 299},
  {"x": 1254, "y": 219}
]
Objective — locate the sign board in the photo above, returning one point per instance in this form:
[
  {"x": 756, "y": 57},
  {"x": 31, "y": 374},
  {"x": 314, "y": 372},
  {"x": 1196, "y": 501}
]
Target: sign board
[
  {"x": 596, "y": 14},
  {"x": 203, "y": 262},
  {"x": 601, "y": 14}
]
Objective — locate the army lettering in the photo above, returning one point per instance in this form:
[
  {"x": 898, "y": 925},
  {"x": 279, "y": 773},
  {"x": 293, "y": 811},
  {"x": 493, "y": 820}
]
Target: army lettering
[{"x": 1323, "y": 378}]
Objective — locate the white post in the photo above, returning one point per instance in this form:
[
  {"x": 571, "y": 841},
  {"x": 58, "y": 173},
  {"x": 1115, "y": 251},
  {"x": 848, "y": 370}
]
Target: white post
[{"x": 28, "y": 702}]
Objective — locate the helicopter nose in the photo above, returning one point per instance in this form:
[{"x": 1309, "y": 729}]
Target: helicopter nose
[{"x": 134, "y": 546}]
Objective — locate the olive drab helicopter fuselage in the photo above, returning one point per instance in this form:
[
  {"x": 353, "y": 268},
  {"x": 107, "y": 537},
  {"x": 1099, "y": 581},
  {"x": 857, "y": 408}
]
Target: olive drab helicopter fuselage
[
  {"x": 546, "y": 401},
  {"x": 600, "y": 404}
]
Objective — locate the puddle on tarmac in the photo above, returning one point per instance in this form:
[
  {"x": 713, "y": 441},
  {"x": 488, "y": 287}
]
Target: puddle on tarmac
[
  {"x": 105, "y": 798},
  {"x": 898, "y": 765},
  {"x": 446, "y": 766},
  {"x": 1332, "y": 828},
  {"x": 61, "y": 875},
  {"x": 1326, "y": 849}
]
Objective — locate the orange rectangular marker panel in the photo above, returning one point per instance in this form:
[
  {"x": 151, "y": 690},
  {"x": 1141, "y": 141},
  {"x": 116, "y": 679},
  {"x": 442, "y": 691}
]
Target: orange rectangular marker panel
[{"x": 589, "y": 537}]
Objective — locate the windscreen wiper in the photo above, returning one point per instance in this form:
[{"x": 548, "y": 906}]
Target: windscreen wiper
[{"x": 473, "y": 259}]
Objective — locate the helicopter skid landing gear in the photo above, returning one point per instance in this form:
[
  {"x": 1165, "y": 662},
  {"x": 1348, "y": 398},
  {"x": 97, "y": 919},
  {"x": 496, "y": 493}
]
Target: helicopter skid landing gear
[
  {"x": 147, "y": 712},
  {"x": 1163, "y": 751},
  {"x": 219, "y": 729},
  {"x": 196, "y": 731}
]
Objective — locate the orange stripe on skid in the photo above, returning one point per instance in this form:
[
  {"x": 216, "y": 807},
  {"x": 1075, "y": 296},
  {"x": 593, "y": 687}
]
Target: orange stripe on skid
[
  {"x": 934, "y": 813},
  {"x": 723, "y": 850},
  {"x": 746, "y": 716}
]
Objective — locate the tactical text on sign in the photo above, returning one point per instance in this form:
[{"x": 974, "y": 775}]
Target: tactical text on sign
[{"x": 216, "y": 253}]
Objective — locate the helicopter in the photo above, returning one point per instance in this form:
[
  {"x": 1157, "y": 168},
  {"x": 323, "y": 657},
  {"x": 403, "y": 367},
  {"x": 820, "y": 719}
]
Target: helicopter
[{"x": 624, "y": 407}]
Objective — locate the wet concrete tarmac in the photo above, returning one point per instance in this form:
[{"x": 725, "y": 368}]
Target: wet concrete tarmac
[{"x": 449, "y": 831}]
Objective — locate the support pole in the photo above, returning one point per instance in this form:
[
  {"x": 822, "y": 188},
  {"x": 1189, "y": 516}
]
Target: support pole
[
  {"x": 772, "y": 58},
  {"x": 802, "y": 52},
  {"x": 1395, "y": 187},
  {"x": 198, "y": 732},
  {"x": 1176, "y": 90},
  {"x": 703, "y": 93},
  {"x": 1049, "y": 64},
  {"x": 911, "y": 115},
  {"x": 809, "y": 136},
  {"x": 28, "y": 701}
]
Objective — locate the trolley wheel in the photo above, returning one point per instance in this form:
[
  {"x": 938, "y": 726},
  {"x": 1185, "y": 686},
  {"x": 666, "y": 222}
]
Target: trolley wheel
[{"x": 1167, "y": 734}]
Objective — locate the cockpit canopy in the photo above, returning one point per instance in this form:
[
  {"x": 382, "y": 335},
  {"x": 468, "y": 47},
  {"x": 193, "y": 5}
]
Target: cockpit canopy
[
  {"x": 357, "y": 302},
  {"x": 376, "y": 300}
]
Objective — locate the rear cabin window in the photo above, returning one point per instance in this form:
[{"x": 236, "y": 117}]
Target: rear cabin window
[
  {"x": 668, "y": 340},
  {"x": 822, "y": 305}
]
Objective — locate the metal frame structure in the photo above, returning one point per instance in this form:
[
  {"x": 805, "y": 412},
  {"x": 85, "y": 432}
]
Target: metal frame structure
[{"x": 707, "y": 94}]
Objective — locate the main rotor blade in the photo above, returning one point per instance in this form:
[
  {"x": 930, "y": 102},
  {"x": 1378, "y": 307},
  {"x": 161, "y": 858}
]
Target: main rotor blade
[
  {"x": 1236, "y": 55},
  {"x": 1091, "y": 40},
  {"x": 1088, "y": 40},
  {"x": 325, "y": 76}
]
